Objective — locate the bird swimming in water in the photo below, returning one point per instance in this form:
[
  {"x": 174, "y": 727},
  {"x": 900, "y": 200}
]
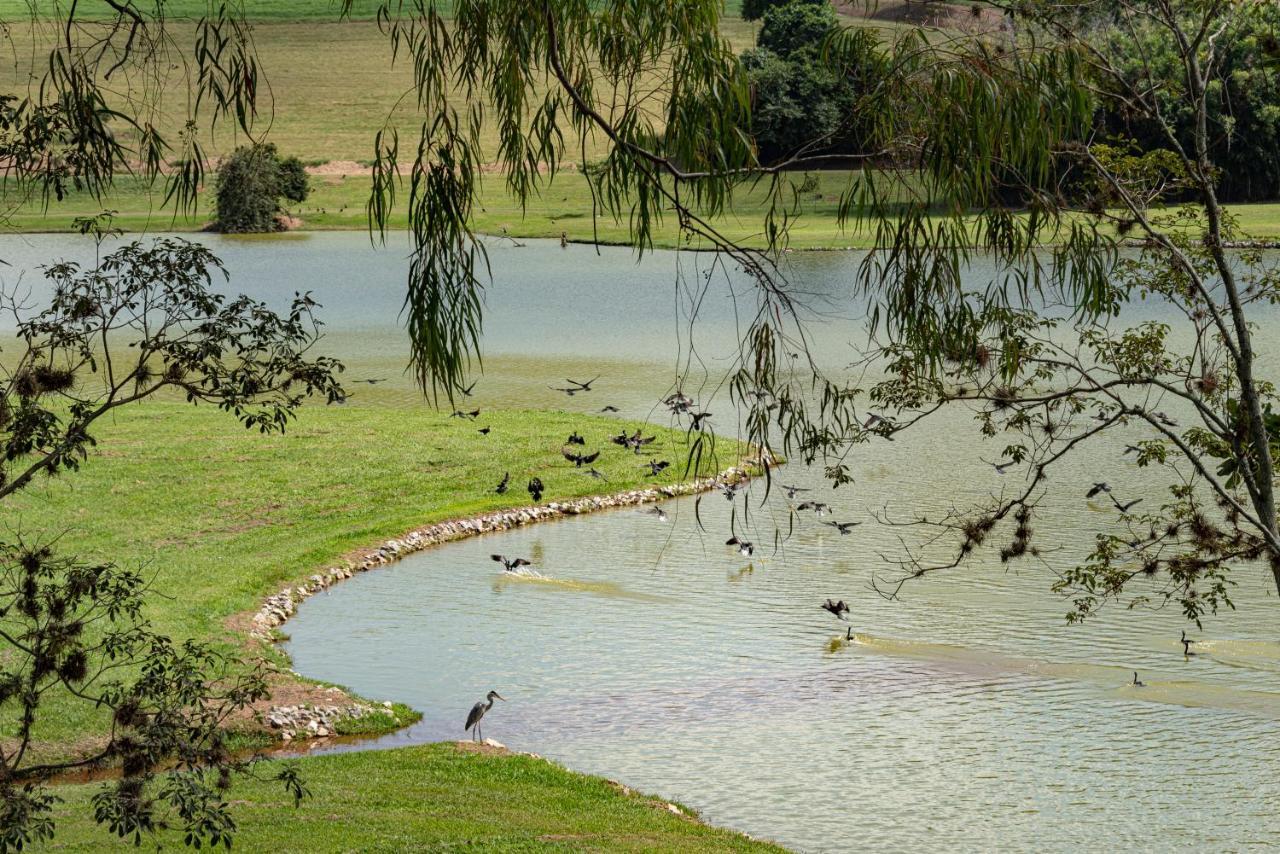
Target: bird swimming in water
[
  {"x": 843, "y": 527},
  {"x": 1137, "y": 683},
  {"x": 579, "y": 460},
  {"x": 478, "y": 712},
  {"x": 836, "y": 608},
  {"x": 510, "y": 564},
  {"x": 1097, "y": 488},
  {"x": 535, "y": 488},
  {"x": 655, "y": 467},
  {"x": 655, "y": 511},
  {"x": 502, "y": 484},
  {"x": 1186, "y": 644},
  {"x": 575, "y": 439},
  {"x": 744, "y": 548},
  {"x": 373, "y": 382}
]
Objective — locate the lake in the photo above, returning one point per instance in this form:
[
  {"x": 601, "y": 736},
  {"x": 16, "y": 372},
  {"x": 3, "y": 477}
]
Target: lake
[{"x": 967, "y": 716}]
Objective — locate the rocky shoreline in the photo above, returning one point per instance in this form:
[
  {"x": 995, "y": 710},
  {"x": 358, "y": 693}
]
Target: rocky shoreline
[{"x": 279, "y": 607}]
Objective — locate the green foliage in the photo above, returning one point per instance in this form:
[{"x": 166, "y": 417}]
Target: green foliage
[
  {"x": 795, "y": 103},
  {"x": 1243, "y": 103},
  {"x": 754, "y": 10},
  {"x": 251, "y": 182},
  {"x": 796, "y": 25}
]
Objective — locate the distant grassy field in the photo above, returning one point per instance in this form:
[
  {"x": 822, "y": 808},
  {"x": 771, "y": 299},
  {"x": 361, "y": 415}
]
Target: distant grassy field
[
  {"x": 223, "y": 516},
  {"x": 436, "y": 798}
]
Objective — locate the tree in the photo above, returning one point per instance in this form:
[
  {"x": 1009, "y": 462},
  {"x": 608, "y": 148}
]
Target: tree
[
  {"x": 794, "y": 104},
  {"x": 1243, "y": 100},
  {"x": 144, "y": 321},
  {"x": 754, "y": 10},
  {"x": 795, "y": 26},
  {"x": 251, "y": 183},
  {"x": 967, "y": 120}
]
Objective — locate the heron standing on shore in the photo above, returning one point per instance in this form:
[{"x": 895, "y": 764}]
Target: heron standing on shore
[{"x": 478, "y": 712}]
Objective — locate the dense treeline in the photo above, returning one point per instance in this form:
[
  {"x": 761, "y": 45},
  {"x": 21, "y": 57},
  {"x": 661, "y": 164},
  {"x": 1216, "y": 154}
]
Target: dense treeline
[{"x": 804, "y": 103}]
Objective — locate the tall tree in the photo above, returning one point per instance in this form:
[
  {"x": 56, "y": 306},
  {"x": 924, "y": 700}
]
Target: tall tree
[{"x": 967, "y": 125}]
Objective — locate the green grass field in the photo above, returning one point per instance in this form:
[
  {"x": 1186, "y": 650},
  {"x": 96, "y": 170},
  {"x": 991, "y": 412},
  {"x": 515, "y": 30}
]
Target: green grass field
[{"x": 437, "y": 798}]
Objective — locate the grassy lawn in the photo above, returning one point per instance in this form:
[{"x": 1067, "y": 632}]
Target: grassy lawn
[
  {"x": 438, "y": 797},
  {"x": 223, "y": 516}
]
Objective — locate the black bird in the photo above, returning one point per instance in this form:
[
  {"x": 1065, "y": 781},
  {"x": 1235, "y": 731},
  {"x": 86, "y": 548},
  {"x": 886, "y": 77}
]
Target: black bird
[
  {"x": 730, "y": 490},
  {"x": 373, "y": 382},
  {"x": 1124, "y": 508},
  {"x": 843, "y": 527},
  {"x": 1186, "y": 644},
  {"x": 484, "y": 431},
  {"x": 535, "y": 489},
  {"x": 478, "y": 712},
  {"x": 579, "y": 460},
  {"x": 1137, "y": 683},
  {"x": 836, "y": 609},
  {"x": 655, "y": 467},
  {"x": 656, "y": 511},
  {"x": 583, "y": 386},
  {"x": 569, "y": 391},
  {"x": 610, "y": 409},
  {"x": 598, "y": 475},
  {"x": 679, "y": 402},
  {"x": 1131, "y": 449},
  {"x": 575, "y": 439},
  {"x": 698, "y": 418},
  {"x": 744, "y": 548},
  {"x": 502, "y": 486},
  {"x": 510, "y": 564},
  {"x": 848, "y": 633},
  {"x": 793, "y": 490},
  {"x": 473, "y": 414},
  {"x": 1098, "y": 487},
  {"x": 466, "y": 392},
  {"x": 816, "y": 506}
]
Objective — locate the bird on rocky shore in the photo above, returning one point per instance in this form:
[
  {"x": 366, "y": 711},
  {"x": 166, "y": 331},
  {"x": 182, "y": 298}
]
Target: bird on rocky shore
[
  {"x": 478, "y": 711},
  {"x": 502, "y": 485},
  {"x": 535, "y": 488},
  {"x": 843, "y": 527},
  {"x": 510, "y": 564},
  {"x": 836, "y": 608},
  {"x": 744, "y": 548}
]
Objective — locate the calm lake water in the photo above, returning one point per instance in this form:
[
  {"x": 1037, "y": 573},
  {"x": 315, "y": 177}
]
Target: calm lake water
[{"x": 967, "y": 716}]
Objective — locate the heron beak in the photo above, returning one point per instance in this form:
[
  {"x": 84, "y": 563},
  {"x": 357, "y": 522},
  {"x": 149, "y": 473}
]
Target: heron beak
[{"x": 499, "y": 696}]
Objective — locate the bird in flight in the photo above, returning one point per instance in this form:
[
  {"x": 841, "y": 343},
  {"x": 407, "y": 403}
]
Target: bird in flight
[
  {"x": 843, "y": 527},
  {"x": 478, "y": 711},
  {"x": 1131, "y": 449},
  {"x": 655, "y": 467},
  {"x": 373, "y": 381},
  {"x": 1097, "y": 488},
  {"x": 657, "y": 512},
  {"x": 1000, "y": 468},
  {"x": 502, "y": 485},
  {"x": 744, "y": 548},
  {"x": 609, "y": 409},
  {"x": 817, "y": 507},
  {"x": 579, "y": 460},
  {"x": 535, "y": 488},
  {"x": 635, "y": 441},
  {"x": 466, "y": 391},
  {"x": 1124, "y": 508},
  {"x": 730, "y": 490},
  {"x": 836, "y": 608},
  {"x": 679, "y": 402},
  {"x": 698, "y": 418},
  {"x": 510, "y": 564},
  {"x": 581, "y": 386},
  {"x": 575, "y": 439},
  {"x": 473, "y": 414},
  {"x": 1164, "y": 419},
  {"x": 598, "y": 475},
  {"x": 792, "y": 491}
]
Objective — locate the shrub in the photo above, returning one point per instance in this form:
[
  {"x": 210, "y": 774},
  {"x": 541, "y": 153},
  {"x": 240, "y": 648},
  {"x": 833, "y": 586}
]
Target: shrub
[
  {"x": 250, "y": 185},
  {"x": 796, "y": 25},
  {"x": 753, "y": 10}
]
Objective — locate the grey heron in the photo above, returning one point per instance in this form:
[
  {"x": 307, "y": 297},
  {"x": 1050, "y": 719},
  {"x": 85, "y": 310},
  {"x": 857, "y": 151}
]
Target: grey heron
[{"x": 478, "y": 711}]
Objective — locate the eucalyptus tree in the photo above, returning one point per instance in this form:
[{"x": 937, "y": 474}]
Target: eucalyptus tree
[{"x": 969, "y": 148}]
